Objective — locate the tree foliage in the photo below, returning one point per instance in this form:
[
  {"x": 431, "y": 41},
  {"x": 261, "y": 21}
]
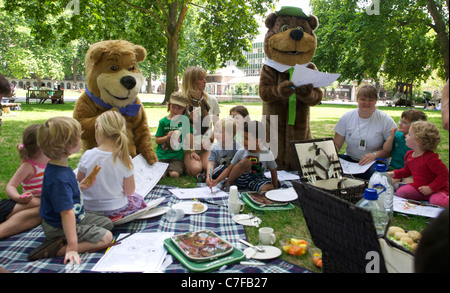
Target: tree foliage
[
  {"x": 396, "y": 39},
  {"x": 218, "y": 31}
]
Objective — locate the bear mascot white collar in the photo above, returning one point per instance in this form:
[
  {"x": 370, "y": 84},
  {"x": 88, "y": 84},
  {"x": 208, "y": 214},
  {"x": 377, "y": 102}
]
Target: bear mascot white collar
[
  {"x": 289, "y": 40},
  {"x": 113, "y": 83}
]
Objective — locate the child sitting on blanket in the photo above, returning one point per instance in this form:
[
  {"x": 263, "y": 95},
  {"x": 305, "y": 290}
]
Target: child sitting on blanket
[
  {"x": 240, "y": 116},
  {"x": 430, "y": 174},
  {"x": 247, "y": 167},
  {"x": 68, "y": 229},
  {"x": 170, "y": 133},
  {"x": 113, "y": 191},
  {"x": 223, "y": 151},
  {"x": 21, "y": 211},
  {"x": 396, "y": 144}
]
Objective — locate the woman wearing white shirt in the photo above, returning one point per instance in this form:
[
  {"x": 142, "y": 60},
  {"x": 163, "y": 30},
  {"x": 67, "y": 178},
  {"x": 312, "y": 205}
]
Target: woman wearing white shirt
[
  {"x": 204, "y": 111},
  {"x": 364, "y": 130}
]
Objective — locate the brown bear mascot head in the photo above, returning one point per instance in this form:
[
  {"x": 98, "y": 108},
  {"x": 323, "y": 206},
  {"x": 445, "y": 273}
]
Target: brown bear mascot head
[
  {"x": 112, "y": 71},
  {"x": 290, "y": 39},
  {"x": 113, "y": 83}
]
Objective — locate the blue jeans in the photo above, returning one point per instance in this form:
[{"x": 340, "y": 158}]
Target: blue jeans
[{"x": 366, "y": 175}]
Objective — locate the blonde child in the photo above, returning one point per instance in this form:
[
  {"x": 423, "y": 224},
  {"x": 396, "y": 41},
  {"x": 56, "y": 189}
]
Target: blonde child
[
  {"x": 223, "y": 151},
  {"x": 67, "y": 227},
  {"x": 170, "y": 132},
  {"x": 112, "y": 193},
  {"x": 247, "y": 167},
  {"x": 21, "y": 211},
  {"x": 430, "y": 174},
  {"x": 396, "y": 144}
]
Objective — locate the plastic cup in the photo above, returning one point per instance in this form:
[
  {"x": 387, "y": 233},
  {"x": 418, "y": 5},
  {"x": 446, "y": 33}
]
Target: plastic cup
[{"x": 174, "y": 215}]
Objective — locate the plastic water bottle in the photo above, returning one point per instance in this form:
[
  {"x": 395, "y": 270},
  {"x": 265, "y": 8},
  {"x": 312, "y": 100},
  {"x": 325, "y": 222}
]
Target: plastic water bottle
[
  {"x": 379, "y": 215},
  {"x": 382, "y": 182}
]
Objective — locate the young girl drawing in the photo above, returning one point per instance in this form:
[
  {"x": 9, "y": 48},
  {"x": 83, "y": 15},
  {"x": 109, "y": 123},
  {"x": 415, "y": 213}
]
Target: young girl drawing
[
  {"x": 21, "y": 211},
  {"x": 429, "y": 173},
  {"x": 113, "y": 190}
]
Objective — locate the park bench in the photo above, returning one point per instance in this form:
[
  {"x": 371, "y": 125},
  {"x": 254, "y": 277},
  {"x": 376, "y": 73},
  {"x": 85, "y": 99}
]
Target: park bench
[
  {"x": 7, "y": 106},
  {"x": 56, "y": 96}
]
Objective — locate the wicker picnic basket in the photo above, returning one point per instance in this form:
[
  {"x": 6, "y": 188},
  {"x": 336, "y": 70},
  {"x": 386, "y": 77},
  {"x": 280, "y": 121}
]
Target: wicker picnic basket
[
  {"x": 345, "y": 233},
  {"x": 318, "y": 165}
]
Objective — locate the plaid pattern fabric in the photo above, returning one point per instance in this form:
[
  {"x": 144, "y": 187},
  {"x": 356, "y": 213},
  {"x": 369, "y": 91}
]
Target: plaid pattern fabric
[{"x": 14, "y": 250}]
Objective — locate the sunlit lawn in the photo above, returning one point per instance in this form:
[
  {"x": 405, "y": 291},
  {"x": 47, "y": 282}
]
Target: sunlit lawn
[{"x": 323, "y": 119}]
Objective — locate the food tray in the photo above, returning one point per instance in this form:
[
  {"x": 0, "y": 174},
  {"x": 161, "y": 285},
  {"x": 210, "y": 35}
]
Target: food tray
[
  {"x": 207, "y": 266},
  {"x": 261, "y": 207},
  {"x": 202, "y": 246},
  {"x": 261, "y": 200},
  {"x": 319, "y": 166}
]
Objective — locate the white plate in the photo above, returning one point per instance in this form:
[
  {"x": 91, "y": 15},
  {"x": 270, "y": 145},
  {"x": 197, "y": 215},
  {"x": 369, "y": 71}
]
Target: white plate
[
  {"x": 325, "y": 163},
  {"x": 139, "y": 213},
  {"x": 186, "y": 206},
  {"x": 287, "y": 194},
  {"x": 154, "y": 213},
  {"x": 243, "y": 219},
  {"x": 269, "y": 252}
]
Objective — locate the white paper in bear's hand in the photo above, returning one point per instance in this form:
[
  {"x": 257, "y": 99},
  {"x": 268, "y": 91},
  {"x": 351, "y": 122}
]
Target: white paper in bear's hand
[{"x": 303, "y": 76}]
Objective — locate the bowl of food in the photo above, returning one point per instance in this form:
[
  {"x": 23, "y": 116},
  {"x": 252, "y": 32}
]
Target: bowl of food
[
  {"x": 316, "y": 256},
  {"x": 295, "y": 245}
]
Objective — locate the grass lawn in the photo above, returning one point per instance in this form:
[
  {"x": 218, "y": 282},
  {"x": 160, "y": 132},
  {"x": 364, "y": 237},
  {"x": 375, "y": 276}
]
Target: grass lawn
[{"x": 323, "y": 120}]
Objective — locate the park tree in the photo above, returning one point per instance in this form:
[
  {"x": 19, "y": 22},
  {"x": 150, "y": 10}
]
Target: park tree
[
  {"x": 225, "y": 27},
  {"x": 402, "y": 40},
  {"x": 21, "y": 54}
]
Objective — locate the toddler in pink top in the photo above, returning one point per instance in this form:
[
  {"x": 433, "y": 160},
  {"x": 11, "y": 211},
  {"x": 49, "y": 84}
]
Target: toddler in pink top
[
  {"x": 429, "y": 173},
  {"x": 21, "y": 211}
]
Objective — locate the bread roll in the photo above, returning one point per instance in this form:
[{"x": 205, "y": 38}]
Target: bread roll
[
  {"x": 399, "y": 235},
  {"x": 415, "y": 235},
  {"x": 407, "y": 239},
  {"x": 394, "y": 229}
]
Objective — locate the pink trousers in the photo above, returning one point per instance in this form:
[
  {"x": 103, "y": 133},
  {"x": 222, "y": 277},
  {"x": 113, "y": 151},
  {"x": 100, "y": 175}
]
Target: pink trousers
[{"x": 409, "y": 192}]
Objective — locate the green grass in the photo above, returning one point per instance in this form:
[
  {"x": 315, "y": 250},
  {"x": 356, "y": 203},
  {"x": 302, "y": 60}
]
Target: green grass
[{"x": 323, "y": 120}]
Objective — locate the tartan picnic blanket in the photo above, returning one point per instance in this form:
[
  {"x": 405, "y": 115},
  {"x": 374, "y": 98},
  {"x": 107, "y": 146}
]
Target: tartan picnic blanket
[{"x": 14, "y": 250}]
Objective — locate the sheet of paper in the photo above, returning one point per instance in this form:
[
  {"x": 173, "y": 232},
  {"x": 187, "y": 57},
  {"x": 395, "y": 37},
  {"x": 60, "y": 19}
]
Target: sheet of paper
[
  {"x": 199, "y": 192},
  {"x": 401, "y": 205},
  {"x": 283, "y": 175},
  {"x": 277, "y": 66},
  {"x": 303, "y": 76},
  {"x": 353, "y": 168},
  {"x": 141, "y": 252},
  {"x": 147, "y": 176}
]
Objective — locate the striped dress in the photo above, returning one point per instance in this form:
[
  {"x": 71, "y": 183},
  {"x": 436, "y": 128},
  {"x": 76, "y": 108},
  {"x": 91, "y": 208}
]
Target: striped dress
[{"x": 34, "y": 184}]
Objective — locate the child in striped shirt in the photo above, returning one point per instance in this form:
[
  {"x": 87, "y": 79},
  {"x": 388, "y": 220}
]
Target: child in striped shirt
[{"x": 21, "y": 211}]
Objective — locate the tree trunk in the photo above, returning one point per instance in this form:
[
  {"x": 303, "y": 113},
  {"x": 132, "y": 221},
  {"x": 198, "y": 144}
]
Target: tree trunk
[
  {"x": 172, "y": 51},
  {"x": 172, "y": 67},
  {"x": 74, "y": 72},
  {"x": 442, "y": 33}
]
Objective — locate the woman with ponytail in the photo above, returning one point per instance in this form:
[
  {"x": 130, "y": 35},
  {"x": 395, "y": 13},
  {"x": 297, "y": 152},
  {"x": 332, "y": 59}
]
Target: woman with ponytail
[{"x": 112, "y": 191}]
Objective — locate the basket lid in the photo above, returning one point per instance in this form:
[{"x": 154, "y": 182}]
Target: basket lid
[{"x": 370, "y": 194}]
